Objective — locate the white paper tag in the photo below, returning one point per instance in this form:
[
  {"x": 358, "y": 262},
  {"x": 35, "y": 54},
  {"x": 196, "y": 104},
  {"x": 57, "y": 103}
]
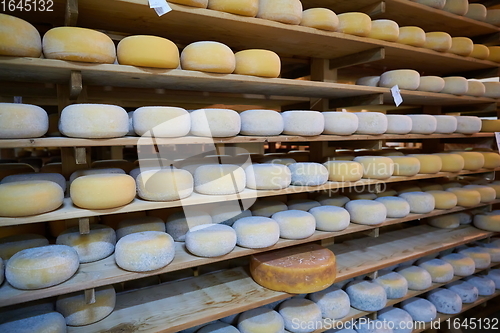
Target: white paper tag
[
  {"x": 497, "y": 137},
  {"x": 396, "y": 95},
  {"x": 161, "y": 7}
]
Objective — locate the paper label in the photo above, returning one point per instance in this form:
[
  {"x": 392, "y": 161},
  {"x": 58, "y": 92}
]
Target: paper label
[
  {"x": 497, "y": 137},
  {"x": 396, "y": 95},
  {"x": 161, "y": 7}
]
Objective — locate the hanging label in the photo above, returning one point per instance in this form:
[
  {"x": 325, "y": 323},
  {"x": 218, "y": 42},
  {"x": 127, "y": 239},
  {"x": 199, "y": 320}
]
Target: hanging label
[
  {"x": 497, "y": 137},
  {"x": 161, "y": 7},
  {"x": 396, "y": 95}
]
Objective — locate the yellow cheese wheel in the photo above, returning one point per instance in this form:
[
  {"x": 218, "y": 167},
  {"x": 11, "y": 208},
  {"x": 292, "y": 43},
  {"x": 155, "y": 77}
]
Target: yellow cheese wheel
[
  {"x": 255, "y": 62},
  {"x": 480, "y": 51},
  {"x": 490, "y": 125},
  {"x": 22, "y": 120},
  {"x": 473, "y": 160},
  {"x": 480, "y": 255},
  {"x": 320, "y": 18},
  {"x": 440, "y": 270},
  {"x": 385, "y": 30},
  {"x": 477, "y": 12},
  {"x": 429, "y": 164},
  {"x": 212, "y": 57},
  {"x": 284, "y": 11},
  {"x": 12, "y": 244},
  {"x": 164, "y": 184},
  {"x": 451, "y": 162},
  {"x": 413, "y": 36},
  {"x": 78, "y": 44},
  {"x": 192, "y": 3},
  {"x": 449, "y": 221},
  {"x": 494, "y": 53},
  {"x": 466, "y": 197},
  {"x": 487, "y": 193},
  {"x": 376, "y": 167},
  {"x": 103, "y": 191},
  {"x": 431, "y": 84},
  {"x": 491, "y": 159},
  {"x": 148, "y": 51},
  {"x": 488, "y": 221},
  {"x": 444, "y": 199},
  {"x": 461, "y": 46},
  {"x": 355, "y": 23},
  {"x": 259, "y": 320},
  {"x": 437, "y": 41},
  {"x": 405, "y": 165},
  {"x": 458, "y": 7},
  {"x": 404, "y": 78},
  {"x": 19, "y": 38},
  {"x": 344, "y": 171},
  {"x": 496, "y": 187},
  {"x": 239, "y": 7}
]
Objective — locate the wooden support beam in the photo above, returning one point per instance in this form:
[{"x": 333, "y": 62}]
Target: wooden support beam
[
  {"x": 371, "y": 99},
  {"x": 373, "y": 233},
  {"x": 80, "y": 155},
  {"x": 84, "y": 225},
  {"x": 75, "y": 84},
  {"x": 375, "y": 10},
  {"x": 321, "y": 71},
  {"x": 358, "y": 58},
  {"x": 89, "y": 296},
  {"x": 71, "y": 14},
  {"x": 373, "y": 275}
]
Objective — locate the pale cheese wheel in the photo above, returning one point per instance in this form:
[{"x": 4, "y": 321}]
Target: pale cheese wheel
[
  {"x": 376, "y": 167},
  {"x": 444, "y": 199},
  {"x": 405, "y": 165},
  {"x": 445, "y": 300},
  {"x": 458, "y": 7},
  {"x": 398, "y": 124},
  {"x": 330, "y": 218},
  {"x": 41, "y": 267},
  {"x": 411, "y": 35},
  {"x": 455, "y": 85},
  {"x": 259, "y": 319},
  {"x": 490, "y": 125},
  {"x": 78, "y": 44},
  {"x": 371, "y": 123},
  {"x": 438, "y": 41},
  {"x": 139, "y": 224},
  {"x": 340, "y": 123},
  {"x": 429, "y": 164},
  {"x": 361, "y": 196},
  {"x": 148, "y": 51},
  {"x": 371, "y": 81},
  {"x": 462, "y": 46},
  {"x": 278, "y": 160},
  {"x": 88, "y": 172},
  {"x": 51, "y": 322},
  {"x": 431, "y": 84},
  {"x": 256, "y": 232},
  {"x": 306, "y": 123},
  {"x": 494, "y": 275},
  {"x": 396, "y": 207},
  {"x": 487, "y": 193},
  {"x": 476, "y": 11},
  {"x": 493, "y": 16},
  {"x": 420, "y": 309},
  {"x": 295, "y": 224},
  {"x": 440, "y": 270},
  {"x": 475, "y": 88},
  {"x": 450, "y": 221},
  {"x": 452, "y": 184},
  {"x": 334, "y": 200},
  {"x": 481, "y": 256},
  {"x": 241, "y": 7},
  {"x": 439, "y": 4},
  {"x": 467, "y": 291},
  {"x": 371, "y": 326},
  {"x": 462, "y": 264},
  {"x": 52, "y": 177},
  {"x": 445, "y": 124},
  {"x": 98, "y": 244},
  {"x": 211, "y": 240},
  {"x": 19, "y": 38},
  {"x": 284, "y": 11},
  {"x": 219, "y": 179},
  {"x": 263, "y": 63},
  {"x": 161, "y": 121},
  {"x": 472, "y": 160},
  {"x": 20, "y": 121},
  {"x": 368, "y": 212},
  {"x": 480, "y": 51},
  {"x": 103, "y": 191},
  {"x": 212, "y": 57},
  {"x": 164, "y": 185},
  {"x": 307, "y": 174},
  {"x": 470, "y": 124},
  {"x": 493, "y": 250},
  {"x": 404, "y": 78},
  {"x": 218, "y": 327},
  {"x": 417, "y": 277},
  {"x": 485, "y": 286},
  {"x": 215, "y": 123},
  {"x": 261, "y": 122},
  {"x": 420, "y": 202},
  {"x": 303, "y": 311},
  {"x": 489, "y": 222},
  {"x": 333, "y": 302},
  {"x": 267, "y": 208},
  {"x": 394, "y": 284},
  {"x": 366, "y": 295},
  {"x": 355, "y": 23},
  {"x": 12, "y": 244},
  {"x": 178, "y": 224},
  {"x": 192, "y": 3},
  {"x": 466, "y": 197},
  {"x": 320, "y": 18},
  {"x": 268, "y": 176},
  {"x": 492, "y": 89},
  {"x": 396, "y": 319},
  {"x": 423, "y": 123},
  {"x": 385, "y": 30},
  {"x": 228, "y": 213}
]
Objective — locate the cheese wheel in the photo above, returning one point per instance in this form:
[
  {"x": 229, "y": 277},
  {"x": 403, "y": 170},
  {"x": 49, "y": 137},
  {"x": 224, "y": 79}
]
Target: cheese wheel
[
  {"x": 161, "y": 121},
  {"x": 480, "y": 51},
  {"x": 492, "y": 89},
  {"x": 404, "y": 78},
  {"x": 458, "y": 7},
  {"x": 481, "y": 256},
  {"x": 405, "y": 166},
  {"x": 420, "y": 309},
  {"x": 487, "y": 193},
  {"x": 295, "y": 224},
  {"x": 398, "y": 124},
  {"x": 228, "y": 213},
  {"x": 261, "y": 319},
  {"x": 494, "y": 275},
  {"x": 464, "y": 217},
  {"x": 333, "y": 302},
  {"x": 469, "y": 124},
  {"x": 256, "y": 232},
  {"x": 431, "y": 84},
  {"x": 267, "y": 208},
  {"x": 334, "y": 200},
  {"x": 148, "y": 51},
  {"x": 30, "y": 197},
  {"x": 413, "y": 36},
  {"x": 12, "y": 244},
  {"x": 493, "y": 16},
  {"x": 455, "y": 85},
  {"x": 78, "y": 44},
  {"x": 371, "y": 123},
  {"x": 256, "y": 62},
  {"x": 466, "y": 197},
  {"x": 420, "y": 202},
  {"x": 417, "y": 277},
  {"x": 19, "y": 38},
  {"x": 340, "y": 123},
  {"x": 330, "y": 218},
  {"x": 490, "y": 125},
  {"x": 444, "y": 199},
  {"x": 215, "y": 123},
  {"x": 355, "y": 23},
  {"x": 308, "y": 174},
  {"x": 366, "y": 295},
  {"x": 218, "y": 327},
  {"x": 439, "y": 4},
  {"x": 268, "y": 176},
  {"x": 21, "y": 121},
  {"x": 472, "y": 160},
  {"x": 445, "y": 300},
  {"x": 429, "y": 164},
  {"x": 320, "y": 18},
  {"x": 452, "y": 184},
  {"x": 394, "y": 284},
  {"x": 281, "y": 160},
  {"x": 88, "y": 172},
  {"x": 53, "y": 177},
  {"x": 493, "y": 250},
  {"x": 440, "y": 270},
  {"x": 261, "y": 122},
  {"x": 496, "y": 187},
  {"x": 192, "y": 3},
  {"x": 41, "y": 267},
  {"x": 462, "y": 46},
  {"x": 406, "y": 187},
  {"x": 376, "y": 167},
  {"x": 475, "y": 88},
  {"x": 385, "y": 30},
  {"x": 370, "y": 326},
  {"x": 476, "y": 11},
  {"x": 242, "y": 7},
  {"x": 212, "y": 57},
  {"x": 445, "y": 221},
  {"x": 398, "y": 318},
  {"x": 98, "y": 244},
  {"x": 485, "y": 286},
  {"x": 284, "y": 11},
  {"x": 164, "y": 185},
  {"x": 445, "y": 124},
  {"x": 371, "y": 81},
  {"x": 139, "y": 224},
  {"x": 467, "y": 291},
  {"x": 306, "y": 123},
  {"x": 301, "y": 269},
  {"x": 104, "y": 191},
  {"x": 361, "y": 196},
  {"x": 366, "y": 212},
  {"x": 178, "y": 224},
  {"x": 438, "y": 41},
  {"x": 52, "y": 322},
  {"x": 211, "y": 240},
  {"x": 396, "y": 207},
  {"x": 462, "y": 264},
  {"x": 219, "y": 179},
  {"x": 300, "y": 314}
]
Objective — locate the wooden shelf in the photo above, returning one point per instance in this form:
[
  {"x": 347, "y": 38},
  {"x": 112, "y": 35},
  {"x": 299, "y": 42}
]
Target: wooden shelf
[{"x": 163, "y": 308}]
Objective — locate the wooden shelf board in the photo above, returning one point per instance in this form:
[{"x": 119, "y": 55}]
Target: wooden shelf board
[{"x": 163, "y": 308}]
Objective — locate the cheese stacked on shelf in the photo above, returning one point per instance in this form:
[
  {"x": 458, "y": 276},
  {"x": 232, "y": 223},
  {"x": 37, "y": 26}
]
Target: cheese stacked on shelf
[
  {"x": 36, "y": 322},
  {"x": 320, "y": 18},
  {"x": 358, "y": 24},
  {"x": 20, "y": 121},
  {"x": 10, "y": 245},
  {"x": 241, "y": 7},
  {"x": 148, "y": 51},
  {"x": 284, "y": 11},
  {"x": 19, "y": 38}
]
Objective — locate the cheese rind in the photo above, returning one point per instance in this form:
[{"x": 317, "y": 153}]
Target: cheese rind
[
  {"x": 398, "y": 124},
  {"x": 217, "y": 179},
  {"x": 462, "y": 46},
  {"x": 367, "y": 212},
  {"x": 492, "y": 89},
  {"x": 320, "y": 18},
  {"x": 467, "y": 291},
  {"x": 440, "y": 270},
  {"x": 481, "y": 256},
  {"x": 429, "y": 164},
  {"x": 333, "y": 302},
  {"x": 472, "y": 160},
  {"x": 431, "y": 84},
  {"x": 178, "y": 224},
  {"x": 164, "y": 184},
  {"x": 12, "y": 244},
  {"x": 50, "y": 322},
  {"x": 228, "y": 213},
  {"x": 355, "y": 23},
  {"x": 417, "y": 277},
  {"x": 439, "y": 4},
  {"x": 148, "y": 51},
  {"x": 475, "y": 88},
  {"x": 445, "y": 300},
  {"x": 256, "y": 232},
  {"x": 308, "y": 174},
  {"x": 405, "y": 165},
  {"x": 450, "y": 221},
  {"x": 241, "y": 7},
  {"x": 413, "y": 36},
  {"x": 268, "y": 176},
  {"x": 161, "y": 121},
  {"x": 332, "y": 200},
  {"x": 446, "y": 124},
  {"x": 396, "y": 207},
  {"x": 284, "y": 11},
  {"x": 458, "y": 7},
  {"x": 444, "y": 199},
  {"x": 300, "y": 311},
  {"x": 330, "y": 218},
  {"x": 261, "y": 122},
  {"x": 404, "y": 78},
  {"x": 306, "y": 123},
  {"x": 470, "y": 124},
  {"x": 462, "y": 265},
  {"x": 487, "y": 193},
  {"x": 451, "y": 162},
  {"x": 192, "y": 3},
  {"x": 490, "y": 125},
  {"x": 19, "y": 38},
  {"x": 376, "y": 167},
  {"x": 267, "y": 208},
  {"x": 420, "y": 202},
  {"x": 340, "y": 123},
  {"x": 420, "y": 309},
  {"x": 484, "y": 284},
  {"x": 455, "y": 85},
  {"x": 19, "y": 121},
  {"x": 261, "y": 319},
  {"x": 466, "y": 197},
  {"x": 97, "y": 171},
  {"x": 423, "y": 123},
  {"x": 263, "y": 63},
  {"x": 493, "y": 16},
  {"x": 385, "y": 30},
  {"x": 215, "y": 123},
  {"x": 476, "y": 11},
  {"x": 52, "y": 177},
  {"x": 295, "y": 224},
  {"x": 395, "y": 285},
  {"x": 399, "y": 319},
  {"x": 212, "y": 57},
  {"x": 366, "y": 295},
  {"x": 438, "y": 41},
  {"x": 480, "y": 51},
  {"x": 211, "y": 240}
]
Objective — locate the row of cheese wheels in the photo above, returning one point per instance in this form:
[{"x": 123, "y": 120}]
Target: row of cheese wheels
[
  {"x": 475, "y": 11},
  {"x": 410, "y": 79},
  {"x": 100, "y": 121}
]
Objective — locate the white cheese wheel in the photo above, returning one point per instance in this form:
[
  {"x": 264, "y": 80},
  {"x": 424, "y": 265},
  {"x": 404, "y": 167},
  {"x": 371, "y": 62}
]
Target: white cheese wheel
[
  {"x": 376, "y": 167},
  {"x": 333, "y": 302},
  {"x": 12, "y": 244},
  {"x": 476, "y": 11},
  {"x": 371, "y": 123},
  {"x": 256, "y": 232},
  {"x": 398, "y": 124},
  {"x": 218, "y": 327},
  {"x": 475, "y": 88},
  {"x": 467, "y": 291},
  {"x": 98, "y": 244},
  {"x": 385, "y": 30},
  {"x": 139, "y": 224},
  {"x": 405, "y": 165},
  {"x": 261, "y": 122},
  {"x": 344, "y": 171},
  {"x": 320, "y": 18},
  {"x": 440, "y": 270},
  {"x": 472, "y": 160},
  {"x": 161, "y": 121},
  {"x": 445, "y": 124},
  {"x": 340, "y": 123},
  {"x": 211, "y": 240},
  {"x": 455, "y": 85},
  {"x": 395, "y": 285},
  {"x": 366, "y": 295},
  {"x": 41, "y": 267},
  {"x": 260, "y": 319},
  {"x": 94, "y": 121},
  {"x": 355, "y": 23},
  {"x": 52, "y": 322},
  {"x": 306, "y": 123},
  {"x": 308, "y": 174},
  {"x": 267, "y": 208},
  {"x": 30, "y": 197},
  {"x": 104, "y": 191},
  {"x": 466, "y": 197},
  {"x": 178, "y": 224},
  {"x": 268, "y": 176},
  {"x": 284, "y": 11},
  {"x": 404, "y": 78},
  {"x": 397, "y": 318},
  {"x": 458, "y": 7},
  {"x": 52, "y": 177},
  {"x": 20, "y": 121},
  {"x": 164, "y": 184},
  {"x": 219, "y": 179},
  {"x": 19, "y": 38},
  {"x": 99, "y": 171},
  {"x": 423, "y": 123},
  {"x": 431, "y": 84},
  {"x": 481, "y": 256},
  {"x": 192, "y": 3},
  {"x": 487, "y": 193},
  {"x": 420, "y": 309},
  {"x": 490, "y": 125},
  {"x": 77, "y": 312},
  {"x": 371, "y": 81},
  {"x": 240, "y": 7},
  {"x": 462, "y": 264},
  {"x": 420, "y": 202},
  {"x": 413, "y": 36},
  {"x": 438, "y": 41},
  {"x": 439, "y": 4},
  {"x": 492, "y": 89},
  {"x": 334, "y": 200},
  {"x": 445, "y": 300},
  {"x": 295, "y": 224},
  {"x": 493, "y": 16},
  {"x": 480, "y": 51},
  {"x": 396, "y": 207},
  {"x": 444, "y": 199},
  {"x": 330, "y": 218},
  {"x": 494, "y": 275},
  {"x": 215, "y": 123},
  {"x": 263, "y": 63},
  {"x": 493, "y": 250},
  {"x": 228, "y": 213},
  {"x": 302, "y": 311},
  {"x": 462, "y": 46},
  {"x": 366, "y": 212},
  {"x": 148, "y": 51},
  {"x": 450, "y": 221},
  {"x": 417, "y": 277},
  {"x": 485, "y": 286},
  {"x": 212, "y": 57},
  {"x": 469, "y": 124},
  {"x": 429, "y": 164}
]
